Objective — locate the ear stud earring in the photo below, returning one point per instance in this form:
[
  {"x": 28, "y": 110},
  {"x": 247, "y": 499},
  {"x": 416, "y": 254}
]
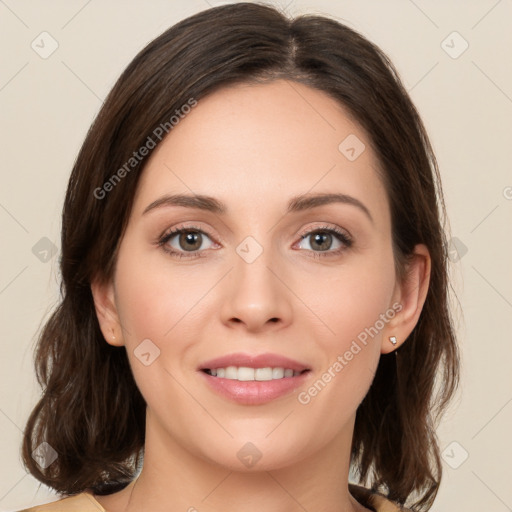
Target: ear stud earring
[{"x": 393, "y": 340}]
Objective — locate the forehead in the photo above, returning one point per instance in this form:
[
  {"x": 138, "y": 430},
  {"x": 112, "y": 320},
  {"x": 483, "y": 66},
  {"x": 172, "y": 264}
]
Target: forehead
[{"x": 258, "y": 145}]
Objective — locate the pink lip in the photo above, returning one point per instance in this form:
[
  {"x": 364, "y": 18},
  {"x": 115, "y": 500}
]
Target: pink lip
[
  {"x": 253, "y": 361},
  {"x": 254, "y": 392}
]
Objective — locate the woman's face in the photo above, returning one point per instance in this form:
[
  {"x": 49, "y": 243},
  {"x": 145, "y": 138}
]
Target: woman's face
[{"x": 266, "y": 275}]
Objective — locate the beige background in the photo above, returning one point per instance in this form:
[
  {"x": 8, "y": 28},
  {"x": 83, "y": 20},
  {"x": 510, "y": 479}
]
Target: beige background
[{"x": 47, "y": 105}]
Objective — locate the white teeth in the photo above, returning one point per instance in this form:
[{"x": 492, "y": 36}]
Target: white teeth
[
  {"x": 263, "y": 374},
  {"x": 243, "y": 373},
  {"x": 231, "y": 372},
  {"x": 277, "y": 373}
]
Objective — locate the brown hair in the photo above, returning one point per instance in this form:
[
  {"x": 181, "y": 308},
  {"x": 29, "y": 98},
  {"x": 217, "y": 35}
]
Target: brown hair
[{"x": 91, "y": 411}]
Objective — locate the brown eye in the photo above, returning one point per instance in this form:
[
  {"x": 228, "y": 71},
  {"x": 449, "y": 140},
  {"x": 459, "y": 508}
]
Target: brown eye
[
  {"x": 190, "y": 241},
  {"x": 322, "y": 241},
  {"x": 179, "y": 242}
]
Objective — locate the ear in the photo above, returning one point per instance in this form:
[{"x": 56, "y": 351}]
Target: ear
[
  {"x": 408, "y": 299},
  {"x": 106, "y": 311}
]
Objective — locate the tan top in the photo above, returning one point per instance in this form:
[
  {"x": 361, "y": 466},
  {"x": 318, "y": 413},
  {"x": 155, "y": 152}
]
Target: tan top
[{"x": 85, "y": 502}]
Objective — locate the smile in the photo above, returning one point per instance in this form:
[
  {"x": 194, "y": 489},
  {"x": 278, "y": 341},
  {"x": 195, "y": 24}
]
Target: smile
[{"x": 244, "y": 373}]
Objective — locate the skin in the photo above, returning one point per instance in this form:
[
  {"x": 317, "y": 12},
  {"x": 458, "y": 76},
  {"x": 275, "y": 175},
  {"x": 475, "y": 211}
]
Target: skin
[{"x": 253, "y": 147}]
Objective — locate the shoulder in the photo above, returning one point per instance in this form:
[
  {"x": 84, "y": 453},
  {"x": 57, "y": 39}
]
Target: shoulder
[
  {"x": 374, "y": 501},
  {"x": 83, "y": 502}
]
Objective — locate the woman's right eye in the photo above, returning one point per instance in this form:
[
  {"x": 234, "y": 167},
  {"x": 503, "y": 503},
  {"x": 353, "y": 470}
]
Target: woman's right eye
[{"x": 179, "y": 242}]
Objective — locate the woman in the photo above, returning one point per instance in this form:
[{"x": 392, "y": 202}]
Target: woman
[{"x": 254, "y": 303}]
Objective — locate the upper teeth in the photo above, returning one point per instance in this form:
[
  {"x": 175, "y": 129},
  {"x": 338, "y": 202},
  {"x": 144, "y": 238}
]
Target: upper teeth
[{"x": 245, "y": 373}]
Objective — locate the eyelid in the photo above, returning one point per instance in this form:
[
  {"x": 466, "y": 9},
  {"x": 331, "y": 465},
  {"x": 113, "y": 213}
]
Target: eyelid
[
  {"x": 326, "y": 227},
  {"x": 176, "y": 230}
]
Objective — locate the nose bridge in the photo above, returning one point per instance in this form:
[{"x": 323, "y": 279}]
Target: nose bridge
[{"x": 254, "y": 282}]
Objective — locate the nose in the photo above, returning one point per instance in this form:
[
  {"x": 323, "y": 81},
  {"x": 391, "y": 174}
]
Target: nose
[{"x": 257, "y": 298}]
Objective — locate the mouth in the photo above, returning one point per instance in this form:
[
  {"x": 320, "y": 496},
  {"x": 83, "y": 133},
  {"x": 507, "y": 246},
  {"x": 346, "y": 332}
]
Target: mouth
[
  {"x": 254, "y": 379},
  {"x": 245, "y": 373}
]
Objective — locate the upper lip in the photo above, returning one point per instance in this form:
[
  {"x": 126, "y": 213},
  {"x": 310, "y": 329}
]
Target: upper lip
[{"x": 253, "y": 361}]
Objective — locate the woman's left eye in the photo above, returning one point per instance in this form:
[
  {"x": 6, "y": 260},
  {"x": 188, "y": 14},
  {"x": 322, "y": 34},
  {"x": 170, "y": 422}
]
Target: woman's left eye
[
  {"x": 181, "y": 241},
  {"x": 323, "y": 239}
]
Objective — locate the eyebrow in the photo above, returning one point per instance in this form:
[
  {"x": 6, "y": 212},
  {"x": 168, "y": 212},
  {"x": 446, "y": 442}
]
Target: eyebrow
[{"x": 296, "y": 204}]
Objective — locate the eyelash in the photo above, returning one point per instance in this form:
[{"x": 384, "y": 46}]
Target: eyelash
[{"x": 340, "y": 235}]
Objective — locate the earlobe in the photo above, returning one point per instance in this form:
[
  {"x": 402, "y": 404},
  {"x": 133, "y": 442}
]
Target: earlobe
[
  {"x": 106, "y": 311},
  {"x": 411, "y": 295}
]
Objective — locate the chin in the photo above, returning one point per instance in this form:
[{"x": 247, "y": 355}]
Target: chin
[{"x": 259, "y": 454}]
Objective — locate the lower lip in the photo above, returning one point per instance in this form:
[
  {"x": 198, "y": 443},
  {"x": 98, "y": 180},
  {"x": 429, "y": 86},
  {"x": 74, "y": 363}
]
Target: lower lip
[{"x": 254, "y": 392}]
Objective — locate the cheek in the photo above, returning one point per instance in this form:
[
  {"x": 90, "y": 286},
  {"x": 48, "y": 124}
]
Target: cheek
[
  {"x": 154, "y": 305},
  {"x": 351, "y": 300},
  {"x": 154, "y": 295},
  {"x": 159, "y": 301},
  {"x": 354, "y": 309}
]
